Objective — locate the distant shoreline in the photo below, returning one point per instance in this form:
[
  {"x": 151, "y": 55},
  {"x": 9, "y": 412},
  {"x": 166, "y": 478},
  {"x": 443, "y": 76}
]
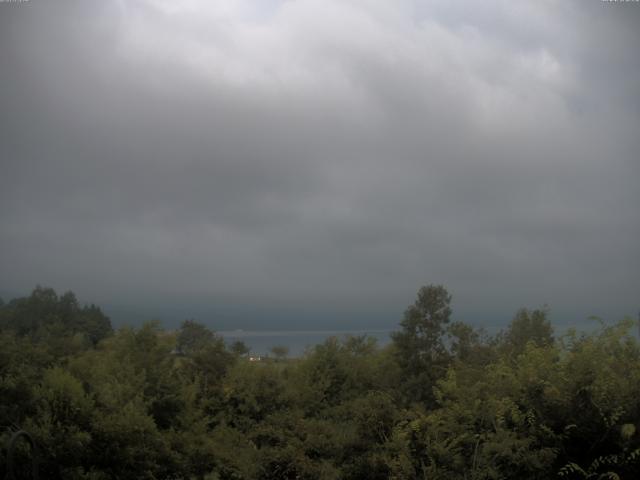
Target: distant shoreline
[{"x": 274, "y": 333}]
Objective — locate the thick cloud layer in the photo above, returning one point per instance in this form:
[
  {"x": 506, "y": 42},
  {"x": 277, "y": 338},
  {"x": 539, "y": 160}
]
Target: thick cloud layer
[{"x": 322, "y": 159}]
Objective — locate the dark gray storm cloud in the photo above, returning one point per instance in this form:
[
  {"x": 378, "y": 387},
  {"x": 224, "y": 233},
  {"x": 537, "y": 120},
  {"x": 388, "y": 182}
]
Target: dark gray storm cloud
[{"x": 322, "y": 158}]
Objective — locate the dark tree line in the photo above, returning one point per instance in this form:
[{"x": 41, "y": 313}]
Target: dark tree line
[{"x": 442, "y": 401}]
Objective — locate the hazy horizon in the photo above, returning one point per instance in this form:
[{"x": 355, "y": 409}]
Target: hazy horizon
[{"x": 229, "y": 318}]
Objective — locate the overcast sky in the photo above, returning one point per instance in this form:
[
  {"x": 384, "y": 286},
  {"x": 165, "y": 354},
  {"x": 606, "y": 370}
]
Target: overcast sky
[{"x": 312, "y": 163}]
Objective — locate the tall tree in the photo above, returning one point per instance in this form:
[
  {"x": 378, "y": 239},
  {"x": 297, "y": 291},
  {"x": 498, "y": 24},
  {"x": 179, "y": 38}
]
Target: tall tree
[
  {"x": 44, "y": 310},
  {"x": 193, "y": 337},
  {"x": 420, "y": 350},
  {"x": 528, "y": 327}
]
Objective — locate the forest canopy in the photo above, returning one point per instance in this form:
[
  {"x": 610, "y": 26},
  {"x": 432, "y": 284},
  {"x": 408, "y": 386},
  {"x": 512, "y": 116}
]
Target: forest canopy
[{"x": 444, "y": 400}]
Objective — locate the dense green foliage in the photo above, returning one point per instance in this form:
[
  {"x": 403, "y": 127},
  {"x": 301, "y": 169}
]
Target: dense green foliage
[{"x": 442, "y": 401}]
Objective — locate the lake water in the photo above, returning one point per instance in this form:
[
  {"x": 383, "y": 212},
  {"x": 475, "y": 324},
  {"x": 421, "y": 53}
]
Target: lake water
[{"x": 261, "y": 342}]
